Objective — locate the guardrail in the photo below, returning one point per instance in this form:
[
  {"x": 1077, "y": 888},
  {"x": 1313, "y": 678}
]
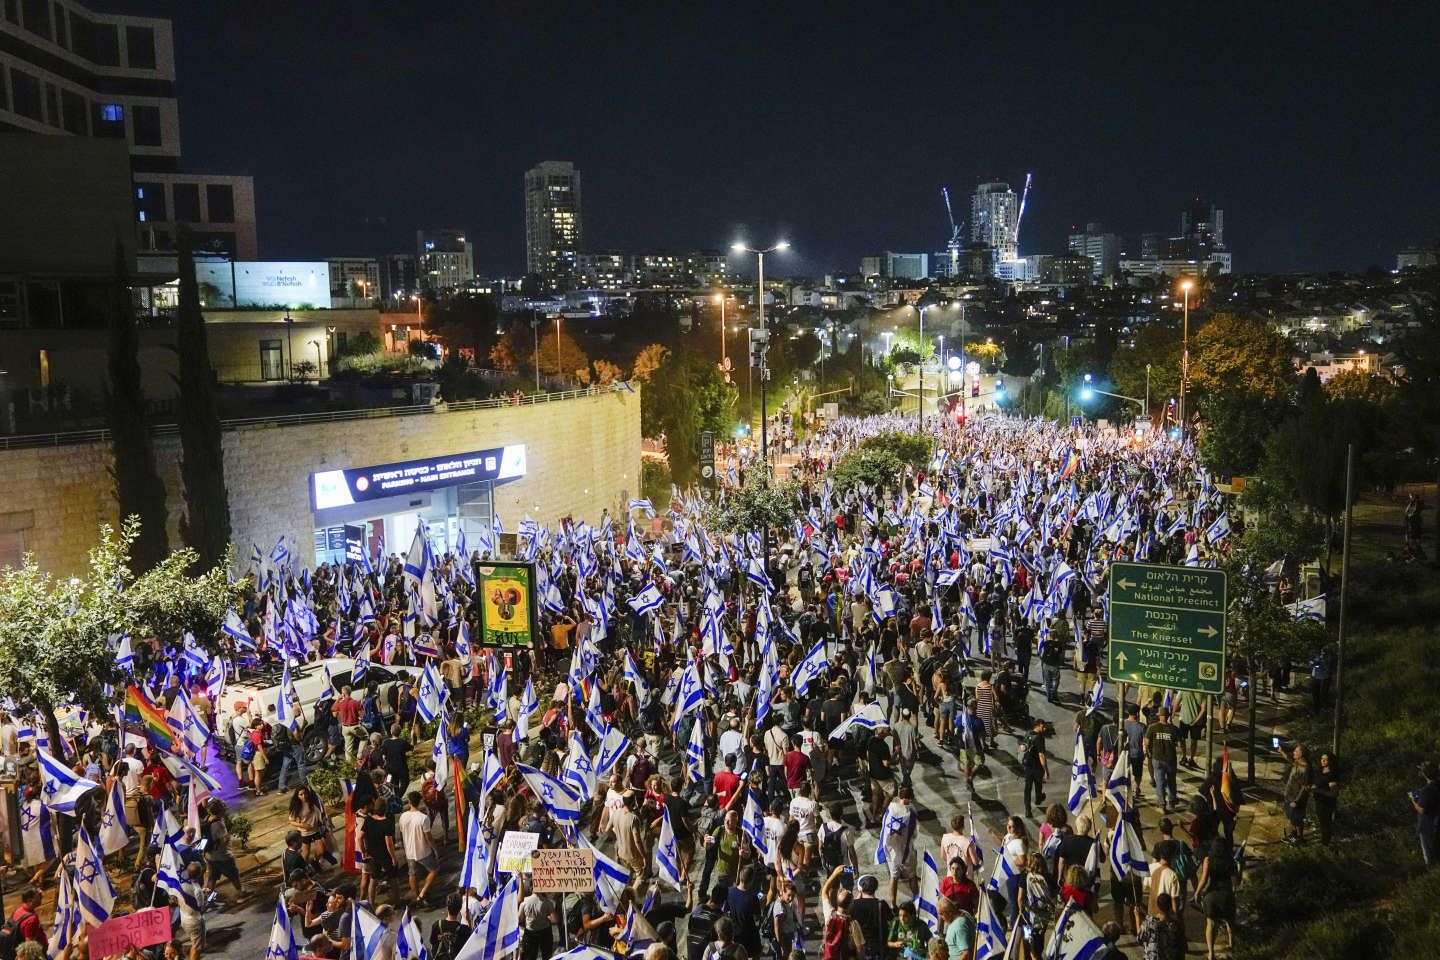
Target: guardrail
[{"x": 78, "y": 437}]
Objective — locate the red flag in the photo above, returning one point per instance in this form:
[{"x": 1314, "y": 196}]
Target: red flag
[{"x": 458, "y": 776}]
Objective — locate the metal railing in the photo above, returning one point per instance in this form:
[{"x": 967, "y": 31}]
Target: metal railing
[{"x": 78, "y": 437}]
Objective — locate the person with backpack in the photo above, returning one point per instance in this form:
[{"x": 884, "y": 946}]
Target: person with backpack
[
  {"x": 448, "y": 935},
  {"x": 24, "y": 924},
  {"x": 837, "y": 845},
  {"x": 724, "y": 946},
  {"x": 287, "y": 747},
  {"x": 1036, "y": 765},
  {"x": 843, "y": 938},
  {"x": 959, "y": 928},
  {"x": 252, "y": 751},
  {"x": 219, "y": 861},
  {"x": 701, "y": 931}
]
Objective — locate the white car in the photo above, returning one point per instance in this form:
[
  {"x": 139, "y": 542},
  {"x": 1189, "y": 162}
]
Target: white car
[{"x": 258, "y": 692}]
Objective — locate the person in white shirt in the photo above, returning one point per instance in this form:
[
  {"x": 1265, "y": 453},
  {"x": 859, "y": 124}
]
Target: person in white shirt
[
  {"x": 414, "y": 829},
  {"x": 806, "y": 811},
  {"x": 732, "y": 741}
]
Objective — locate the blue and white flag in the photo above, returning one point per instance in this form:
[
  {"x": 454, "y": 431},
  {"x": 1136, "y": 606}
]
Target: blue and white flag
[
  {"x": 427, "y": 700},
  {"x": 647, "y": 600},
  {"x": 814, "y": 664},
  {"x": 695, "y": 752},
  {"x": 1127, "y": 854},
  {"x": 498, "y": 932},
  {"x": 635, "y": 678},
  {"x": 642, "y": 503},
  {"x": 475, "y": 871},
  {"x": 990, "y": 932},
  {"x": 927, "y": 902},
  {"x": 948, "y": 578},
  {"x": 37, "y": 833},
  {"x": 1002, "y": 873},
  {"x": 891, "y": 826},
  {"x": 689, "y": 695},
  {"x": 638, "y": 934},
  {"x": 667, "y": 858},
  {"x": 234, "y": 628},
  {"x": 409, "y": 941},
  {"x": 68, "y": 924},
  {"x": 283, "y": 943},
  {"x": 612, "y": 747},
  {"x": 186, "y": 772},
  {"x": 215, "y": 678},
  {"x": 124, "y": 655},
  {"x": 285, "y": 711},
  {"x": 869, "y": 717},
  {"x": 610, "y": 877},
  {"x": 1082, "y": 781},
  {"x": 1117, "y": 785},
  {"x": 114, "y": 830},
  {"x": 1097, "y": 696},
  {"x": 361, "y": 666},
  {"x": 61, "y": 787},
  {"x": 93, "y": 890},
  {"x": 1312, "y": 609},
  {"x": 752, "y": 821},
  {"x": 528, "y": 705},
  {"x": 1076, "y": 936},
  {"x": 1218, "y": 530},
  {"x": 367, "y": 933},
  {"x": 417, "y": 561},
  {"x": 561, "y": 802},
  {"x": 579, "y": 771}
]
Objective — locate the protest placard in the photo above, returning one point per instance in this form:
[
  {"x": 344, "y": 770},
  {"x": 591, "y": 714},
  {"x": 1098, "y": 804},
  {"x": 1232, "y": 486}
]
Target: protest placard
[{"x": 567, "y": 870}]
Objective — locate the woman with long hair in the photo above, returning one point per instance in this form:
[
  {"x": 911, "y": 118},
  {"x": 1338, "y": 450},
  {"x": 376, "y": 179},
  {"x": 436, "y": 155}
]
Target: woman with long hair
[
  {"x": 307, "y": 814},
  {"x": 1215, "y": 889}
]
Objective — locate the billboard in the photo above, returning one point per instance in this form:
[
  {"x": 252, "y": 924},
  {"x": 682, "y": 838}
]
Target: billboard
[
  {"x": 507, "y": 608},
  {"x": 254, "y": 283},
  {"x": 342, "y": 488}
]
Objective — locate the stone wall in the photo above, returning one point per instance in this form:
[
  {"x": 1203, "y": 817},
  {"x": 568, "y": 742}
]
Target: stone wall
[{"x": 582, "y": 455}]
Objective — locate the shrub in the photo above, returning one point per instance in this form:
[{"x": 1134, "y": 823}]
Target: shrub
[{"x": 655, "y": 482}]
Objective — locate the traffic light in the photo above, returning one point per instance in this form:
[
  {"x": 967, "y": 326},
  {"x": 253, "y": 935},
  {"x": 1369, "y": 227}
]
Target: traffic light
[{"x": 759, "y": 340}]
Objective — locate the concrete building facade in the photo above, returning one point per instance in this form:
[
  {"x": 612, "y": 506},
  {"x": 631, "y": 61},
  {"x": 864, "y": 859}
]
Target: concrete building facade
[
  {"x": 575, "y": 456},
  {"x": 554, "y": 234}
]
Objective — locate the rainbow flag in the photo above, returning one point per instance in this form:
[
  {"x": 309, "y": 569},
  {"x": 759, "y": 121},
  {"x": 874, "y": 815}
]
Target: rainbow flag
[
  {"x": 1070, "y": 465},
  {"x": 1227, "y": 789},
  {"x": 150, "y": 719}
]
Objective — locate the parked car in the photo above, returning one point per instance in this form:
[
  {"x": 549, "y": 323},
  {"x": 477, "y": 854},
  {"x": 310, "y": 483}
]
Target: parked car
[{"x": 261, "y": 690}]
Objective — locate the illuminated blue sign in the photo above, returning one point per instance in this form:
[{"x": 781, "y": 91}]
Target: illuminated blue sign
[{"x": 342, "y": 488}]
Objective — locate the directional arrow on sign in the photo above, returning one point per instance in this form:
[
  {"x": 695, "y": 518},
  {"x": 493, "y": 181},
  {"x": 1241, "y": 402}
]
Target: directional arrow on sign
[
  {"x": 1208, "y": 631},
  {"x": 1124, "y": 584},
  {"x": 1120, "y": 659}
]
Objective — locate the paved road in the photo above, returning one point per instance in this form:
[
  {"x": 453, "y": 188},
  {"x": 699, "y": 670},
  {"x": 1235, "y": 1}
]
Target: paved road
[{"x": 240, "y": 931}]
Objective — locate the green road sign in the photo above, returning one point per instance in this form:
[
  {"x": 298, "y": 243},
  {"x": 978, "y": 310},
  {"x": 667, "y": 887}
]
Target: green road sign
[{"x": 1167, "y": 626}]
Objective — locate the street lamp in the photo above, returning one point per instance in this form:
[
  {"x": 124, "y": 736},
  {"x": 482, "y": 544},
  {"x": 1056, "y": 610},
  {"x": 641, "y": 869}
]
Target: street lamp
[
  {"x": 557, "y": 345},
  {"x": 779, "y": 247},
  {"x": 318, "y": 361},
  {"x": 1089, "y": 390},
  {"x": 887, "y": 334},
  {"x": 1147, "y": 389},
  {"x": 1185, "y": 286},
  {"x": 720, "y": 299},
  {"x": 289, "y": 344},
  {"x": 920, "y": 307}
]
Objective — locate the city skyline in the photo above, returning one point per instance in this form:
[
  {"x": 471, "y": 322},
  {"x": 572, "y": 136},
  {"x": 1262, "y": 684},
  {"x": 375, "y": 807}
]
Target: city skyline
[{"x": 834, "y": 135}]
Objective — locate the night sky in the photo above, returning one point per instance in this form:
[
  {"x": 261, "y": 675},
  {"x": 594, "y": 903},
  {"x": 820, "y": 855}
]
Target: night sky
[{"x": 833, "y": 125}]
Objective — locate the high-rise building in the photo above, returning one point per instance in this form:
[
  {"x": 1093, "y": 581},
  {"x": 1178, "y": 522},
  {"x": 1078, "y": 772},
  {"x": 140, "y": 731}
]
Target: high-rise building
[
  {"x": 446, "y": 259},
  {"x": 994, "y": 216},
  {"x": 553, "y": 233},
  {"x": 69, "y": 71},
  {"x": 1203, "y": 225},
  {"x": 1102, "y": 248},
  {"x": 354, "y": 281},
  {"x": 397, "y": 276}
]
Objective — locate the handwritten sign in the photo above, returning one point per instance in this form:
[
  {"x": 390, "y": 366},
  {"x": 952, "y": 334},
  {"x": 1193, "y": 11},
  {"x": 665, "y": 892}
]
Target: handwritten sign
[
  {"x": 567, "y": 870},
  {"x": 117, "y": 935},
  {"x": 515, "y": 849}
]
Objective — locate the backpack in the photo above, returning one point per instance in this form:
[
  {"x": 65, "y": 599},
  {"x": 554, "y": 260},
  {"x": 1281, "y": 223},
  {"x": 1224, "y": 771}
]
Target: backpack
[
  {"x": 247, "y": 750},
  {"x": 280, "y": 735},
  {"x": 10, "y": 938},
  {"x": 832, "y": 846},
  {"x": 444, "y": 941},
  {"x": 841, "y": 934},
  {"x": 701, "y": 932}
]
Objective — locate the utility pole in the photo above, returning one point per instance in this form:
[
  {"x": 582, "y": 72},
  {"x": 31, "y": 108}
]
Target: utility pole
[{"x": 1344, "y": 595}]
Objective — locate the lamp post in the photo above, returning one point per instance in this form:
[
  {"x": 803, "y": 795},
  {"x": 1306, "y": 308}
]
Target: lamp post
[
  {"x": 887, "y": 335},
  {"x": 318, "y": 362},
  {"x": 1185, "y": 286},
  {"x": 289, "y": 344},
  {"x": 779, "y": 247},
  {"x": 535, "y": 329},
  {"x": 720, "y": 299},
  {"x": 1147, "y": 389},
  {"x": 557, "y": 344}
]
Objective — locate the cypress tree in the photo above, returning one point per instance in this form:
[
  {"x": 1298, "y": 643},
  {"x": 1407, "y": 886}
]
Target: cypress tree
[
  {"x": 138, "y": 488},
  {"x": 205, "y": 526}
]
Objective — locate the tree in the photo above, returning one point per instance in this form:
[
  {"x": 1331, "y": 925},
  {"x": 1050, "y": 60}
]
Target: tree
[
  {"x": 362, "y": 343},
  {"x": 607, "y": 373},
  {"x": 138, "y": 487},
  {"x": 1365, "y": 387},
  {"x": 54, "y": 632},
  {"x": 512, "y": 350},
  {"x": 566, "y": 359},
  {"x": 804, "y": 350},
  {"x": 205, "y": 525},
  {"x": 986, "y": 352},
  {"x": 1236, "y": 354},
  {"x": 880, "y": 461},
  {"x": 648, "y": 362},
  {"x": 1157, "y": 346},
  {"x": 756, "y": 506},
  {"x": 464, "y": 323}
]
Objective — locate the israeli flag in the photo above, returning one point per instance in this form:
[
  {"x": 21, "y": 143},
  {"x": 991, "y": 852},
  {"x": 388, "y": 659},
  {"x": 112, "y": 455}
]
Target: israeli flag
[
  {"x": 283, "y": 943},
  {"x": 114, "y": 830},
  {"x": 234, "y": 628},
  {"x": 594, "y": 716},
  {"x": 361, "y": 666},
  {"x": 1082, "y": 781},
  {"x": 967, "y": 609},
  {"x": 612, "y": 747},
  {"x": 611, "y": 878},
  {"x": 124, "y": 655},
  {"x": 498, "y": 932},
  {"x": 642, "y": 503},
  {"x": 634, "y": 677},
  {"x": 579, "y": 772},
  {"x": 427, "y": 702},
  {"x": 1218, "y": 530},
  {"x": 869, "y": 717},
  {"x": 753, "y": 822},
  {"x": 689, "y": 695},
  {"x": 1076, "y": 936},
  {"x": 927, "y": 903},
  {"x": 1127, "y": 854},
  {"x": 990, "y": 932},
  {"x": 215, "y": 679},
  {"x": 417, "y": 561},
  {"x": 755, "y": 573},
  {"x": 528, "y": 705},
  {"x": 280, "y": 554},
  {"x": 93, "y": 890},
  {"x": 890, "y": 826},
  {"x": 667, "y": 860},
  {"x": 1097, "y": 696},
  {"x": 186, "y": 773},
  {"x": 948, "y": 578},
  {"x": 1118, "y": 783},
  {"x": 639, "y": 934},
  {"x": 498, "y": 696},
  {"x": 368, "y": 932},
  {"x": 60, "y": 787},
  {"x": 695, "y": 753},
  {"x": 814, "y": 664},
  {"x": 193, "y": 731},
  {"x": 285, "y": 711},
  {"x": 1001, "y": 875},
  {"x": 647, "y": 600},
  {"x": 561, "y": 802},
  {"x": 475, "y": 873},
  {"x": 1312, "y": 609},
  {"x": 409, "y": 941}
]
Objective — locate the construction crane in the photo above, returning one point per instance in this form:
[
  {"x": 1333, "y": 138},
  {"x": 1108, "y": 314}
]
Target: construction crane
[
  {"x": 1020, "y": 214},
  {"x": 953, "y": 247}
]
